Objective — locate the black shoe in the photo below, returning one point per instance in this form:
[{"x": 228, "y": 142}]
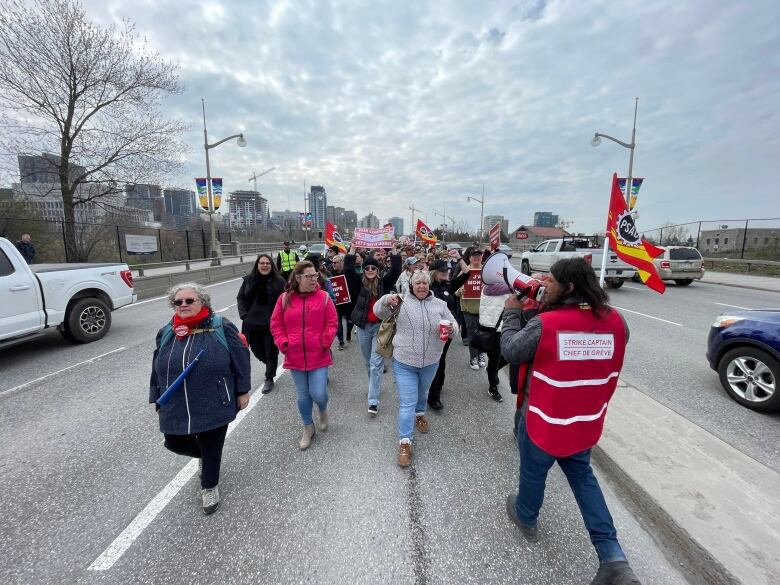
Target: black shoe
[
  {"x": 615, "y": 573},
  {"x": 531, "y": 533},
  {"x": 436, "y": 405},
  {"x": 341, "y": 346},
  {"x": 373, "y": 409},
  {"x": 268, "y": 385},
  {"x": 349, "y": 339},
  {"x": 495, "y": 394}
]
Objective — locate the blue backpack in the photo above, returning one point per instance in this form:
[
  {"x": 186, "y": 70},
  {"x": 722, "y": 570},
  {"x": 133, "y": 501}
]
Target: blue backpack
[{"x": 216, "y": 327}]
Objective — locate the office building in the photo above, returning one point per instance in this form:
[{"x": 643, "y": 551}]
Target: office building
[
  {"x": 318, "y": 203},
  {"x": 350, "y": 221},
  {"x": 247, "y": 210},
  {"x": 545, "y": 219},
  {"x": 180, "y": 206},
  {"x": 369, "y": 221},
  {"x": 44, "y": 169},
  {"x": 398, "y": 225},
  {"x": 491, "y": 220}
]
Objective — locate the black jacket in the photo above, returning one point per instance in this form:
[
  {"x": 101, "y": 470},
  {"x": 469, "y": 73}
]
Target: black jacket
[
  {"x": 251, "y": 309},
  {"x": 443, "y": 290},
  {"x": 27, "y": 250},
  {"x": 390, "y": 275},
  {"x": 360, "y": 312}
]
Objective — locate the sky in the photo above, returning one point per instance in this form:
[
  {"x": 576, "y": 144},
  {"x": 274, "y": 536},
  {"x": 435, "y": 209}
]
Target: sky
[{"x": 392, "y": 104}]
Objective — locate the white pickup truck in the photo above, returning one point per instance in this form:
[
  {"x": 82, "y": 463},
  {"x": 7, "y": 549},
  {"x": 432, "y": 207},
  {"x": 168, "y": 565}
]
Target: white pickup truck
[
  {"x": 77, "y": 299},
  {"x": 540, "y": 258}
]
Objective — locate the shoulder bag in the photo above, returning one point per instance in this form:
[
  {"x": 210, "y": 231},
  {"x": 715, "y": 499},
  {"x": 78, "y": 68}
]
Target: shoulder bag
[{"x": 386, "y": 333}]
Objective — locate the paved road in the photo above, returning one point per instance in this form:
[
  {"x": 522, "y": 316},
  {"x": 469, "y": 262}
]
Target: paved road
[
  {"x": 666, "y": 359},
  {"x": 81, "y": 458}
]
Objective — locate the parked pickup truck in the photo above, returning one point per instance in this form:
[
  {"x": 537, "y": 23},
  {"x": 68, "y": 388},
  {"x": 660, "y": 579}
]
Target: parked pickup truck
[
  {"x": 77, "y": 299},
  {"x": 540, "y": 258}
]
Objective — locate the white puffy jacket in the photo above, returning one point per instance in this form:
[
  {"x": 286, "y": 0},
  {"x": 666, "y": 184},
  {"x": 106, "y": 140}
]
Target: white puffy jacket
[{"x": 490, "y": 309}]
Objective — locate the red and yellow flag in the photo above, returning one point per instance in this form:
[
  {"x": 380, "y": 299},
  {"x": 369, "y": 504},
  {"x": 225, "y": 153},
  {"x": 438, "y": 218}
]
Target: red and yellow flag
[
  {"x": 625, "y": 240},
  {"x": 333, "y": 238},
  {"x": 426, "y": 234}
]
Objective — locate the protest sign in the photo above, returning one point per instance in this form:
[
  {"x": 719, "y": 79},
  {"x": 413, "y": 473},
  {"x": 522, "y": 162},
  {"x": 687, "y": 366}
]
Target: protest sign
[
  {"x": 374, "y": 237},
  {"x": 472, "y": 289},
  {"x": 339, "y": 284}
]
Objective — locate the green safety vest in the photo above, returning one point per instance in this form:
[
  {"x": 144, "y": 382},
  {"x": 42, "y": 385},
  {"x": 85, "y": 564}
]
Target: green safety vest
[{"x": 289, "y": 260}]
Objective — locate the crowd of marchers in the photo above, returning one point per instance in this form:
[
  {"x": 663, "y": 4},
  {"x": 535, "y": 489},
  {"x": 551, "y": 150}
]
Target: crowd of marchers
[{"x": 405, "y": 306}]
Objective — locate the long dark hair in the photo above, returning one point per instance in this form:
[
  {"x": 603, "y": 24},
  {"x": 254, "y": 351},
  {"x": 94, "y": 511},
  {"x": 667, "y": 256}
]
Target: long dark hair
[
  {"x": 586, "y": 289},
  {"x": 275, "y": 274}
]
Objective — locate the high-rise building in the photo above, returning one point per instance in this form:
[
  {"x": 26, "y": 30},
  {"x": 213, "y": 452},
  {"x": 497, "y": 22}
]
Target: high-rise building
[
  {"x": 491, "y": 220},
  {"x": 398, "y": 225},
  {"x": 247, "y": 209},
  {"x": 180, "y": 205},
  {"x": 369, "y": 221},
  {"x": 350, "y": 221},
  {"x": 43, "y": 169},
  {"x": 545, "y": 219},
  {"x": 318, "y": 204}
]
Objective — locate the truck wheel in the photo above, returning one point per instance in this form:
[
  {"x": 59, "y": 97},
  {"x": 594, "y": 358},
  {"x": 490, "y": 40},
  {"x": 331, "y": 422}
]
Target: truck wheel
[
  {"x": 683, "y": 281},
  {"x": 88, "y": 320},
  {"x": 614, "y": 282},
  {"x": 525, "y": 268}
]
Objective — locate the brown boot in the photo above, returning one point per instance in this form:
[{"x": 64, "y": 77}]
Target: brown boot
[
  {"x": 306, "y": 437},
  {"x": 421, "y": 422},
  {"x": 322, "y": 421},
  {"x": 405, "y": 454}
]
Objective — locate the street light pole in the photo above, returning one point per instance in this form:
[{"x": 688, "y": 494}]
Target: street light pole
[
  {"x": 481, "y": 211},
  {"x": 214, "y": 249},
  {"x": 414, "y": 225},
  {"x": 629, "y": 179}
]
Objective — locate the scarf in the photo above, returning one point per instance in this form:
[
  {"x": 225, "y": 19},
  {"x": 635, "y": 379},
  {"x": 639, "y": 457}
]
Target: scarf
[{"x": 182, "y": 326}]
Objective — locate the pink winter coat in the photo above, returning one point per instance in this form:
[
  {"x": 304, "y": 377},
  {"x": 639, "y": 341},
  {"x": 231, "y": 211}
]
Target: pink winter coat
[{"x": 304, "y": 330}]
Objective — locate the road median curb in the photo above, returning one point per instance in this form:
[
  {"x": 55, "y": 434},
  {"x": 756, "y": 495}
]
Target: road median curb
[{"x": 713, "y": 509}]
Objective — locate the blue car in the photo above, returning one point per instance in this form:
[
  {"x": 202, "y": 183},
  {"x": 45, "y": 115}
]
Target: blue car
[{"x": 744, "y": 348}]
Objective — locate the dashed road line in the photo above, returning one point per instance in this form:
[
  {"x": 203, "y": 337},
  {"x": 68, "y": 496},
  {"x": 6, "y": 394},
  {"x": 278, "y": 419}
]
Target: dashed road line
[
  {"x": 733, "y": 306},
  {"x": 648, "y": 316}
]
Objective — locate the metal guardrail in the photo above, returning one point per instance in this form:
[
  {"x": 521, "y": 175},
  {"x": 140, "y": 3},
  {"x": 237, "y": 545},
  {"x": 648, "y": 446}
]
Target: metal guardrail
[{"x": 746, "y": 262}]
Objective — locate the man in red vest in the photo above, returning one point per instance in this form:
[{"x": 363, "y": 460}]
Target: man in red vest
[{"x": 574, "y": 350}]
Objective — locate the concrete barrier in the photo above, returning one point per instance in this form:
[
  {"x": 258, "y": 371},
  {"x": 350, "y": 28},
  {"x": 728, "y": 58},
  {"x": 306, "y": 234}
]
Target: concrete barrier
[{"x": 158, "y": 285}]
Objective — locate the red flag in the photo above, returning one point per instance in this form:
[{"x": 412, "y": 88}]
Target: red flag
[
  {"x": 333, "y": 238},
  {"x": 426, "y": 234},
  {"x": 625, "y": 240}
]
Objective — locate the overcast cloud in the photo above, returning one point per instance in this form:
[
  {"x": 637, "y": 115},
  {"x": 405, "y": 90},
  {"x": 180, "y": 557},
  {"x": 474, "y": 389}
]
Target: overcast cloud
[{"x": 389, "y": 103}]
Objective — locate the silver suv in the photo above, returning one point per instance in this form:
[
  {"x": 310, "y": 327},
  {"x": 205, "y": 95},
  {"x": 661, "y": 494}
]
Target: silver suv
[{"x": 682, "y": 264}]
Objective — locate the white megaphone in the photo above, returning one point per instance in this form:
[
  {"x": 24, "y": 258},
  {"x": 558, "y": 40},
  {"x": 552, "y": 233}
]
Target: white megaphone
[{"x": 497, "y": 269}]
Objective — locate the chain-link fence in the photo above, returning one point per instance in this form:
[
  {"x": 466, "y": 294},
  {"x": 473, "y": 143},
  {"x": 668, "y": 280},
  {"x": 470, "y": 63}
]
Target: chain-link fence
[
  {"x": 108, "y": 243},
  {"x": 749, "y": 239}
]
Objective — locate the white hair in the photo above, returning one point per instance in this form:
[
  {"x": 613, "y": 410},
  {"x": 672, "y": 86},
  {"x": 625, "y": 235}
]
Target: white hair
[
  {"x": 199, "y": 290},
  {"x": 420, "y": 276}
]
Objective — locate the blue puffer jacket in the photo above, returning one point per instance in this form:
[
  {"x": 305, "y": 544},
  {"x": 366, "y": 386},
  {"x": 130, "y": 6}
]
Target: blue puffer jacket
[{"x": 207, "y": 399}]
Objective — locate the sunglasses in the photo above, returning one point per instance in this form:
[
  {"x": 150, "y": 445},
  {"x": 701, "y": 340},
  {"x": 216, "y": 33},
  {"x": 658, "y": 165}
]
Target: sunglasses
[
  {"x": 369, "y": 269},
  {"x": 180, "y": 302}
]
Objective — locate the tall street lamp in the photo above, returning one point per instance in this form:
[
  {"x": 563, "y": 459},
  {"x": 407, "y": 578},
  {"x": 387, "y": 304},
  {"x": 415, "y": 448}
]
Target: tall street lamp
[
  {"x": 214, "y": 250},
  {"x": 481, "y": 210},
  {"x": 629, "y": 179},
  {"x": 414, "y": 225}
]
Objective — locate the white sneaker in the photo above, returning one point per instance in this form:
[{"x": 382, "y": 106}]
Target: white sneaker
[
  {"x": 474, "y": 365},
  {"x": 482, "y": 362},
  {"x": 210, "y": 499}
]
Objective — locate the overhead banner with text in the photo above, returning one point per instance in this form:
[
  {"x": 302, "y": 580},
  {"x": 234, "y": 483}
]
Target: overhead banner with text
[{"x": 374, "y": 237}]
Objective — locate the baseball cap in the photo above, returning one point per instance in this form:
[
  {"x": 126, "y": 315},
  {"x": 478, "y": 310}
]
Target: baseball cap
[
  {"x": 440, "y": 266},
  {"x": 411, "y": 260}
]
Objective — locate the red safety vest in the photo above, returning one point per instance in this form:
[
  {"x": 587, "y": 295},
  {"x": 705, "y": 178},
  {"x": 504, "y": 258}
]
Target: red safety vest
[{"x": 574, "y": 374}]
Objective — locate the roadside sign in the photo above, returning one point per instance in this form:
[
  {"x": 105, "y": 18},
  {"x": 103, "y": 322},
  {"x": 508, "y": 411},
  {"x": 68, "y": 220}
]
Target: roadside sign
[
  {"x": 140, "y": 245},
  {"x": 521, "y": 235}
]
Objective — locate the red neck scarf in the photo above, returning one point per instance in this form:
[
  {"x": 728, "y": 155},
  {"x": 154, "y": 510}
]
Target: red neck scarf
[{"x": 182, "y": 326}]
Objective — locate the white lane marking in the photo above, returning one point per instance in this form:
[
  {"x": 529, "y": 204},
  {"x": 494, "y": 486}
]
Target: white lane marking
[
  {"x": 733, "y": 306},
  {"x": 135, "y": 304},
  {"x": 226, "y": 308},
  {"x": 89, "y": 361},
  {"x": 635, "y": 287},
  {"x": 144, "y": 518},
  {"x": 648, "y": 316}
]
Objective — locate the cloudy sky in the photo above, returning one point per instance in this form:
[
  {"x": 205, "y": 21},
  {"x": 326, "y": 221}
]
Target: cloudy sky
[{"x": 393, "y": 103}]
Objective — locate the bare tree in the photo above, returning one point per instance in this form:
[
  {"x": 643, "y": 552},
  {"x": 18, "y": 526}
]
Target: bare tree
[{"x": 92, "y": 96}]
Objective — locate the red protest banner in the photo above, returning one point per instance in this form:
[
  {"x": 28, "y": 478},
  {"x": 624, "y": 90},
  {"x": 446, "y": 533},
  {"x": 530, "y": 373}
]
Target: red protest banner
[
  {"x": 339, "y": 284},
  {"x": 495, "y": 237},
  {"x": 472, "y": 289}
]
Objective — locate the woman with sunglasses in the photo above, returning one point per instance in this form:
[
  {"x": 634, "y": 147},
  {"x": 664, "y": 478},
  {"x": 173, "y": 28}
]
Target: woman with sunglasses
[
  {"x": 303, "y": 326},
  {"x": 367, "y": 327},
  {"x": 256, "y": 300},
  {"x": 195, "y": 420}
]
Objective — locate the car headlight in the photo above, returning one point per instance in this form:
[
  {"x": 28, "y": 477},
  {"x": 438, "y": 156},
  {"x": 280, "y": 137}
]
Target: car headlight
[{"x": 723, "y": 321}]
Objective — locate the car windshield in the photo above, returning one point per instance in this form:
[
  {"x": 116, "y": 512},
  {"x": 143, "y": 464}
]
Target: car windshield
[{"x": 684, "y": 254}]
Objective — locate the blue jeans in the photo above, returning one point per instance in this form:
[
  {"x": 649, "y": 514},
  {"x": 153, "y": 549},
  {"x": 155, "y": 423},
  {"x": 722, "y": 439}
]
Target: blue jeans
[
  {"x": 413, "y": 385},
  {"x": 375, "y": 363},
  {"x": 311, "y": 387},
  {"x": 534, "y": 465}
]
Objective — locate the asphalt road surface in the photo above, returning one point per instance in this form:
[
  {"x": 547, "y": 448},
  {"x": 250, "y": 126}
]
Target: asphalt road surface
[{"x": 91, "y": 496}]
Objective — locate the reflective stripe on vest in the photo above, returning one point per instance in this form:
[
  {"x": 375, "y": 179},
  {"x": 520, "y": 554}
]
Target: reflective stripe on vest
[
  {"x": 575, "y": 372},
  {"x": 289, "y": 260}
]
